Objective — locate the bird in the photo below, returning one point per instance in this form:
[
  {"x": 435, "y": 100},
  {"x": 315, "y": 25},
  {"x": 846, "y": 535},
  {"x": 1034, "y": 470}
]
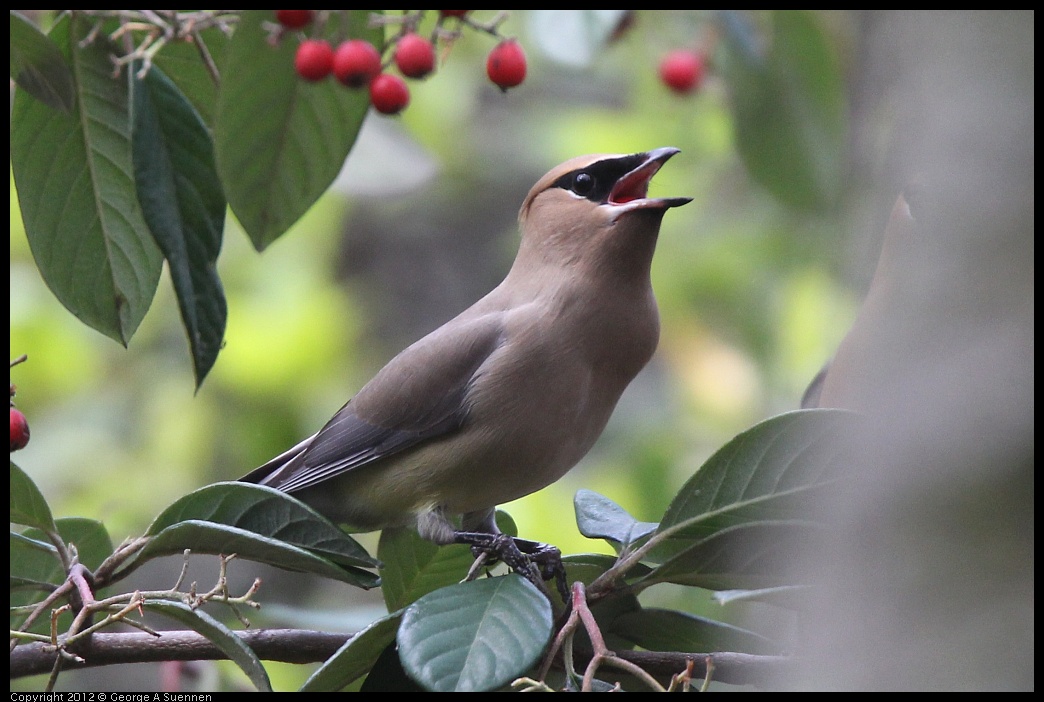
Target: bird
[
  {"x": 509, "y": 395},
  {"x": 840, "y": 383}
]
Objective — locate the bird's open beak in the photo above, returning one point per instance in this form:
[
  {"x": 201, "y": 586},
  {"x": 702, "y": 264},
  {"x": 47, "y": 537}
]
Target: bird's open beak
[{"x": 630, "y": 192}]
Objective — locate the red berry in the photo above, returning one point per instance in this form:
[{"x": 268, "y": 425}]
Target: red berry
[
  {"x": 356, "y": 63},
  {"x": 415, "y": 56},
  {"x": 314, "y": 59},
  {"x": 294, "y": 19},
  {"x": 389, "y": 94},
  {"x": 682, "y": 71},
  {"x": 19, "y": 430},
  {"x": 453, "y": 13},
  {"x": 506, "y": 65}
]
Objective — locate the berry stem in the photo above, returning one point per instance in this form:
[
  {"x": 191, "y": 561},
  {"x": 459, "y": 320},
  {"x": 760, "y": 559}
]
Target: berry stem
[{"x": 492, "y": 27}]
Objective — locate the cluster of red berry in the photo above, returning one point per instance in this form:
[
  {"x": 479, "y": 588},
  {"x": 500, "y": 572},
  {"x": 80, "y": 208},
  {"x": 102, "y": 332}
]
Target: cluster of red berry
[{"x": 358, "y": 64}]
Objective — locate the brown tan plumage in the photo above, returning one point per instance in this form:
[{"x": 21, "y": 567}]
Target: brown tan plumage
[{"x": 840, "y": 382}]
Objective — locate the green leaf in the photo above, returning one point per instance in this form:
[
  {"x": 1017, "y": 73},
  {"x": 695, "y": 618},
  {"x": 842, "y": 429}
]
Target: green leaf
[
  {"x": 74, "y": 176},
  {"x": 413, "y": 566},
  {"x": 356, "y": 657},
  {"x": 183, "y": 204},
  {"x": 388, "y": 675},
  {"x": 474, "y": 636},
  {"x": 28, "y": 506},
  {"x": 33, "y": 545},
  {"x": 788, "y": 102},
  {"x": 730, "y": 524},
  {"x": 38, "y": 67},
  {"x": 586, "y": 567},
  {"x": 744, "y": 555},
  {"x": 668, "y": 630},
  {"x": 269, "y": 513},
  {"x": 782, "y": 596},
  {"x": 598, "y": 517},
  {"x": 261, "y": 524},
  {"x": 219, "y": 635},
  {"x": 35, "y": 559},
  {"x": 90, "y": 538},
  {"x": 183, "y": 64},
  {"x": 36, "y": 568},
  {"x": 280, "y": 140},
  {"x": 221, "y": 539},
  {"x": 771, "y": 470}
]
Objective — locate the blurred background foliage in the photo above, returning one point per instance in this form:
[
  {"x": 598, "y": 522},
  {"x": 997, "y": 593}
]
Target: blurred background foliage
[{"x": 754, "y": 295}]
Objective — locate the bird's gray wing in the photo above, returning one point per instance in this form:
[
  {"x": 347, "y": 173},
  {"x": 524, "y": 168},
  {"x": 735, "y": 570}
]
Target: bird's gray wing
[
  {"x": 419, "y": 395},
  {"x": 810, "y": 398}
]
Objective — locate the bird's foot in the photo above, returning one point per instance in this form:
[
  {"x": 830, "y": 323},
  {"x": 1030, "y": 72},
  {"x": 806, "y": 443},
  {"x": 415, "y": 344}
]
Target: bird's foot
[
  {"x": 534, "y": 561},
  {"x": 548, "y": 560}
]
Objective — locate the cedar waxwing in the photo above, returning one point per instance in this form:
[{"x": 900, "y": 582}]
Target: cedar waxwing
[
  {"x": 838, "y": 383},
  {"x": 506, "y": 397}
]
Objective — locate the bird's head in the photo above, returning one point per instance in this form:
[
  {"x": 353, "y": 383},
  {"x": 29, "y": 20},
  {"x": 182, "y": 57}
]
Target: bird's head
[
  {"x": 591, "y": 203},
  {"x": 602, "y": 187}
]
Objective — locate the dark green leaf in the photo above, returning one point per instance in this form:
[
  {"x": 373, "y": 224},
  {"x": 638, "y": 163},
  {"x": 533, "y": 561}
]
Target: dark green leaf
[
  {"x": 182, "y": 202},
  {"x": 783, "y": 596},
  {"x": 268, "y": 513},
  {"x": 588, "y": 566},
  {"x": 261, "y": 524},
  {"x": 182, "y": 62},
  {"x": 598, "y": 517},
  {"x": 413, "y": 566},
  {"x": 280, "y": 140},
  {"x": 668, "y": 630},
  {"x": 605, "y": 612},
  {"x": 36, "y": 568},
  {"x": 38, "y": 67},
  {"x": 35, "y": 559},
  {"x": 28, "y": 506},
  {"x": 474, "y": 636},
  {"x": 39, "y": 545},
  {"x": 90, "y": 538},
  {"x": 768, "y": 471},
  {"x": 219, "y": 635},
  {"x": 388, "y": 675},
  {"x": 789, "y": 107},
  {"x": 221, "y": 539},
  {"x": 731, "y": 524},
  {"x": 74, "y": 176},
  {"x": 744, "y": 555},
  {"x": 356, "y": 657}
]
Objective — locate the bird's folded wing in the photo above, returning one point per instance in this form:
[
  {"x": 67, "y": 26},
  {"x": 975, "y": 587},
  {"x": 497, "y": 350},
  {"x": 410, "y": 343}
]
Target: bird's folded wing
[
  {"x": 421, "y": 394},
  {"x": 810, "y": 399}
]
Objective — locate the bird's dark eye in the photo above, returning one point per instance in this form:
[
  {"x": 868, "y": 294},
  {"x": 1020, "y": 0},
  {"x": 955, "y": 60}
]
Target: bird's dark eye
[
  {"x": 583, "y": 184},
  {"x": 594, "y": 182}
]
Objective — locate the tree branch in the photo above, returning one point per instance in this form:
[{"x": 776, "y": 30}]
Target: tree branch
[
  {"x": 305, "y": 646},
  {"x": 285, "y": 645}
]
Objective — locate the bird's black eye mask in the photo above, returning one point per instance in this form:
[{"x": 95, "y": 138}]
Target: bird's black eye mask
[{"x": 595, "y": 182}]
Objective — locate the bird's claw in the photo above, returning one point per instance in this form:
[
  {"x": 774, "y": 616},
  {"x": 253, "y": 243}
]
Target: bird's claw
[{"x": 534, "y": 561}]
